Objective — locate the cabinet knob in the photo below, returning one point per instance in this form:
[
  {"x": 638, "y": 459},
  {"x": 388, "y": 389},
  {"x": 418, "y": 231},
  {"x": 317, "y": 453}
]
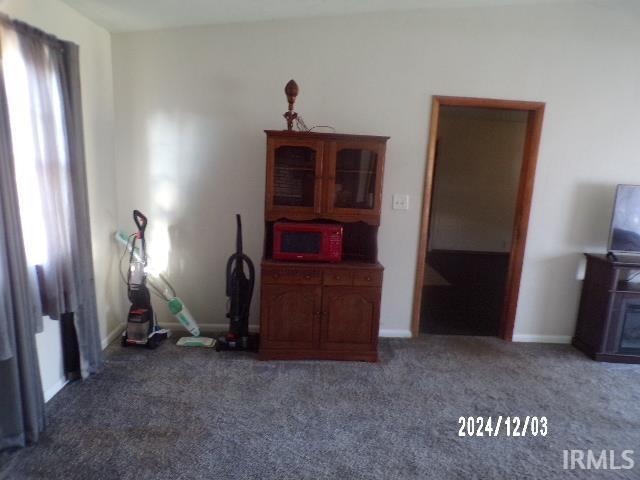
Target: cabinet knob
[
  {"x": 338, "y": 277},
  {"x": 368, "y": 278},
  {"x": 307, "y": 277}
]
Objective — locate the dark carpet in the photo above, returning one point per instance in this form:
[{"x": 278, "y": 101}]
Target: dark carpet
[{"x": 197, "y": 414}]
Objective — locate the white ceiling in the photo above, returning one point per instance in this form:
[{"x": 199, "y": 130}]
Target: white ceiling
[{"x": 131, "y": 15}]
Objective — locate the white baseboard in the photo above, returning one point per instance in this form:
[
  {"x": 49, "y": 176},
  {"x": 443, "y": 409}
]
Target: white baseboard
[
  {"x": 115, "y": 333},
  {"x": 55, "y": 388},
  {"x": 384, "y": 332},
  {"x": 524, "y": 337},
  {"x": 221, "y": 327},
  {"x": 397, "y": 333},
  {"x": 175, "y": 327},
  {"x": 204, "y": 327}
]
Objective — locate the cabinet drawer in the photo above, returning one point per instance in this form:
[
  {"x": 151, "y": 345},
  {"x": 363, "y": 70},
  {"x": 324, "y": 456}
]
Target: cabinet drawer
[
  {"x": 364, "y": 278},
  {"x": 291, "y": 276},
  {"x": 338, "y": 277}
]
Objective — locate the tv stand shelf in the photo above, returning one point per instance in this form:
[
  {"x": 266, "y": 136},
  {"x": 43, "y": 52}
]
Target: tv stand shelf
[{"x": 608, "y": 327}]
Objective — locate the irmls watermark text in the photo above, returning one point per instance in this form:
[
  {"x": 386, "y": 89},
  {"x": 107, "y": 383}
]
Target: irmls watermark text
[{"x": 598, "y": 460}]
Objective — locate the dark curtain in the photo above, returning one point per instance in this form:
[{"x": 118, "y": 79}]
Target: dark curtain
[
  {"x": 21, "y": 397},
  {"x": 67, "y": 285},
  {"x": 85, "y": 315},
  {"x": 65, "y": 277}
]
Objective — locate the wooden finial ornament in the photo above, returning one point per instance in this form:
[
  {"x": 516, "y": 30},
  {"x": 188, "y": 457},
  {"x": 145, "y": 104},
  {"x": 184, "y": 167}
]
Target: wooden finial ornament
[{"x": 291, "y": 91}]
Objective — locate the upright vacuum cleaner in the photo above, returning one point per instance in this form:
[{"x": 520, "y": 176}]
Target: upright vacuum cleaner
[
  {"x": 239, "y": 291},
  {"x": 142, "y": 327}
]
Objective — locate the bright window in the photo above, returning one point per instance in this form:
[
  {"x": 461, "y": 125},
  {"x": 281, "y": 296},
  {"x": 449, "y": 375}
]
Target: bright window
[{"x": 34, "y": 156}]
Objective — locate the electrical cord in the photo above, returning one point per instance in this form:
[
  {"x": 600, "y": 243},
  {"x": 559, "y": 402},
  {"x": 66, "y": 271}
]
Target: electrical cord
[
  {"x": 302, "y": 127},
  {"x": 322, "y": 126},
  {"x": 126, "y": 248},
  {"x": 156, "y": 291},
  {"x": 153, "y": 288},
  {"x": 164, "y": 279},
  {"x": 632, "y": 277}
]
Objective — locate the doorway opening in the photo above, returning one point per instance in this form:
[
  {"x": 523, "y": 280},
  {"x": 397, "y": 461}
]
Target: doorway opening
[{"x": 477, "y": 198}]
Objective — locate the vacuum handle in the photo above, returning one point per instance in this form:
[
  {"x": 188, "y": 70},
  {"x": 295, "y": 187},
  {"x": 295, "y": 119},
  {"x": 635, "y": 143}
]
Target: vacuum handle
[
  {"x": 140, "y": 220},
  {"x": 238, "y": 234}
]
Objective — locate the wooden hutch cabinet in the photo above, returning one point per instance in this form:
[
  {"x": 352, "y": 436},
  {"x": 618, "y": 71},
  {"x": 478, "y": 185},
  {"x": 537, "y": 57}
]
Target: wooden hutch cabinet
[{"x": 323, "y": 310}]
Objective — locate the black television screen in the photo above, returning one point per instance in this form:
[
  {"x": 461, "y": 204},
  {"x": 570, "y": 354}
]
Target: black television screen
[{"x": 625, "y": 223}]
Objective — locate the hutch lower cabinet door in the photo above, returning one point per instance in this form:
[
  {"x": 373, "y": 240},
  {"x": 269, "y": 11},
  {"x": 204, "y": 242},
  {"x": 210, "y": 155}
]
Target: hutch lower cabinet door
[
  {"x": 326, "y": 313},
  {"x": 290, "y": 316},
  {"x": 349, "y": 318}
]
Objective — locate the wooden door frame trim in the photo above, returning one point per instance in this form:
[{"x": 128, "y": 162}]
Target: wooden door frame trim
[{"x": 523, "y": 203}]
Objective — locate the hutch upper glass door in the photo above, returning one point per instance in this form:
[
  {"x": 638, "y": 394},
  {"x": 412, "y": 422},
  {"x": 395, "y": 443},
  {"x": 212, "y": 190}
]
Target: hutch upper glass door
[
  {"x": 354, "y": 178},
  {"x": 294, "y": 174}
]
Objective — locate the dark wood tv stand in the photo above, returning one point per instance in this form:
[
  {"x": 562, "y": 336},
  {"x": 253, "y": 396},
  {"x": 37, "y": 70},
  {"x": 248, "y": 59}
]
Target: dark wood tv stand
[{"x": 608, "y": 327}]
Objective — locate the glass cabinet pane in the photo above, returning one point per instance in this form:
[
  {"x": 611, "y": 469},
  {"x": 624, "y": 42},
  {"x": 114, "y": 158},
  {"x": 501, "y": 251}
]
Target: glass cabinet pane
[
  {"x": 628, "y": 280},
  {"x": 355, "y": 178},
  {"x": 294, "y": 176},
  {"x": 630, "y": 339}
]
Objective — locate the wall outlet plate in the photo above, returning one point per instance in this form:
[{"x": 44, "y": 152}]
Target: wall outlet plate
[{"x": 400, "y": 201}]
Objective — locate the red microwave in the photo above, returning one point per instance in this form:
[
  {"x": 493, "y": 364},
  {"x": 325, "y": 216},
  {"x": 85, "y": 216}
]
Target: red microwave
[{"x": 320, "y": 242}]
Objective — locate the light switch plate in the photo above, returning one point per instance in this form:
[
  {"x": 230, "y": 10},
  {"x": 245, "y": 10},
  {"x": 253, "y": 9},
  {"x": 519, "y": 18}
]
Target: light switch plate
[{"x": 400, "y": 201}]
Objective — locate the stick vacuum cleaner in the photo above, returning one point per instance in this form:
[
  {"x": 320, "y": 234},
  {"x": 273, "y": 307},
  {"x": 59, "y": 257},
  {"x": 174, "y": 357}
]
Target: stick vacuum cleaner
[
  {"x": 142, "y": 326},
  {"x": 239, "y": 291}
]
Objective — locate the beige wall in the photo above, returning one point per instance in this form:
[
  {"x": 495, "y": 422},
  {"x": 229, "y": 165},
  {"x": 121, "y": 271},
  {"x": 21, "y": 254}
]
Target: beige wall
[
  {"x": 476, "y": 183},
  {"x": 192, "y": 104},
  {"x": 59, "y": 19}
]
